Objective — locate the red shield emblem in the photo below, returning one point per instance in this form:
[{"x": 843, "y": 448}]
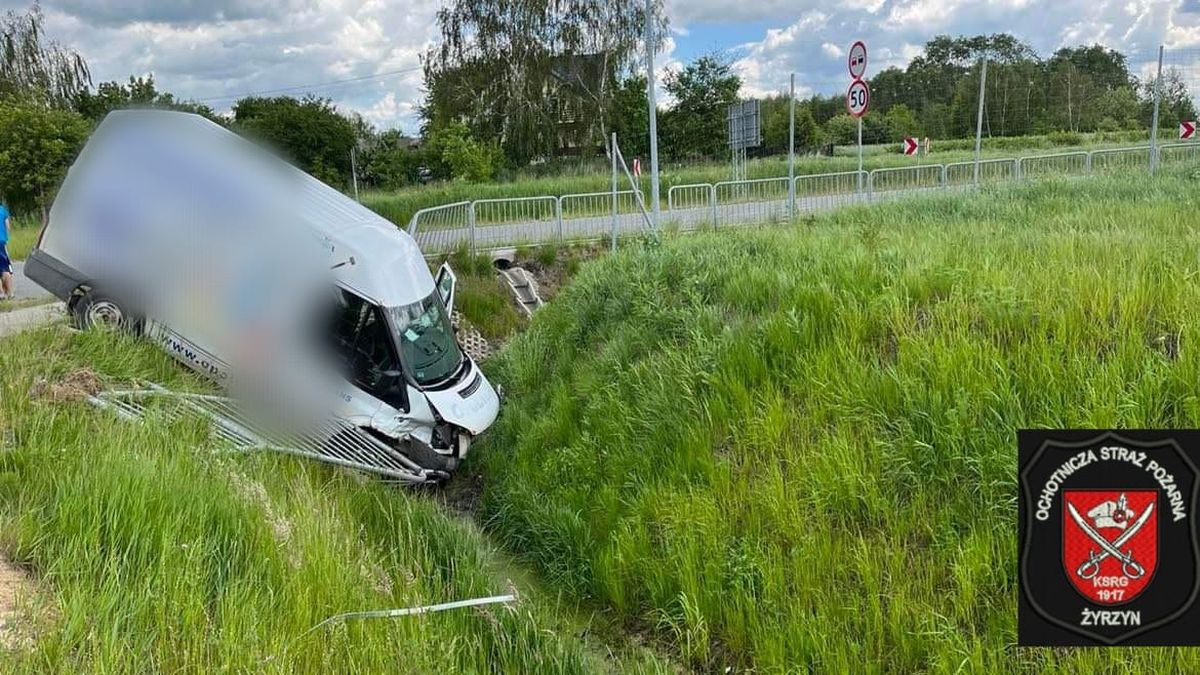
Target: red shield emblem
[{"x": 1110, "y": 542}]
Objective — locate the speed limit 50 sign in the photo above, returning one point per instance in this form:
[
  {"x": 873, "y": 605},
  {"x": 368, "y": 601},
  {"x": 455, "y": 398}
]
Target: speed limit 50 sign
[{"x": 858, "y": 98}]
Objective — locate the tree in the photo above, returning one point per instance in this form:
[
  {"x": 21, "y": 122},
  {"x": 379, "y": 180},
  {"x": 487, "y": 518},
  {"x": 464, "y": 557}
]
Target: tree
[
  {"x": 310, "y": 132},
  {"x": 841, "y": 130},
  {"x": 37, "y": 146},
  {"x": 463, "y": 157},
  {"x": 1176, "y": 104},
  {"x": 629, "y": 117},
  {"x": 703, "y": 91},
  {"x": 139, "y": 92},
  {"x": 901, "y": 122},
  {"x": 394, "y": 162},
  {"x": 35, "y": 69},
  {"x": 538, "y": 77}
]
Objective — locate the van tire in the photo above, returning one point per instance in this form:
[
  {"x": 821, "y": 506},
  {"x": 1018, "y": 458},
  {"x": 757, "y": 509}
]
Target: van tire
[{"x": 99, "y": 310}]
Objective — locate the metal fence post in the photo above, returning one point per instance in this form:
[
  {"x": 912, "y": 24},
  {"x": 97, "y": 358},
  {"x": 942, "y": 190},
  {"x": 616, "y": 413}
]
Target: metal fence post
[
  {"x": 979, "y": 118},
  {"x": 1017, "y": 169},
  {"x": 1087, "y": 163},
  {"x": 792, "y": 153},
  {"x": 942, "y": 174},
  {"x": 613, "y": 152},
  {"x": 471, "y": 225},
  {"x": 712, "y": 199},
  {"x": 1154, "y": 120},
  {"x": 558, "y": 216}
]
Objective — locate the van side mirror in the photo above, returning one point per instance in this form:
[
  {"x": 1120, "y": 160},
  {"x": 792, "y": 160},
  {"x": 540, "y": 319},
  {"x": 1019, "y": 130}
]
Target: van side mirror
[{"x": 445, "y": 286}]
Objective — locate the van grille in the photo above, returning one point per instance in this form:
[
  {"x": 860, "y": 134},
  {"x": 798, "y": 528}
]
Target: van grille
[{"x": 473, "y": 387}]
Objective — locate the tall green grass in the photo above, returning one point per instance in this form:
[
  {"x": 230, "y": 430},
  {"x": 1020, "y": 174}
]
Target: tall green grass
[
  {"x": 23, "y": 236},
  {"x": 156, "y": 555},
  {"x": 795, "y": 449}
]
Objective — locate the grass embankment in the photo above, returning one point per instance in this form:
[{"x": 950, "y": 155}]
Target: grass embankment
[
  {"x": 22, "y": 237},
  {"x": 795, "y": 448},
  {"x": 155, "y": 555},
  {"x": 399, "y": 206}
]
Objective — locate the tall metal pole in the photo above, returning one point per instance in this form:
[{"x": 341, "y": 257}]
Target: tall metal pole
[
  {"x": 979, "y": 118},
  {"x": 1154, "y": 121},
  {"x": 354, "y": 173},
  {"x": 860, "y": 185},
  {"x": 650, "y": 94},
  {"x": 612, "y": 150},
  {"x": 792, "y": 152}
]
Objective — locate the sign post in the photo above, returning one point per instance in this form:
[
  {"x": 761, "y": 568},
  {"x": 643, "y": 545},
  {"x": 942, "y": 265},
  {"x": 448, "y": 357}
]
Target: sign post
[
  {"x": 1187, "y": 130},
  {"x": 910, "y": 146},
  {"x": 858, "y": 100},
  {"x": 858, "y": 97}
]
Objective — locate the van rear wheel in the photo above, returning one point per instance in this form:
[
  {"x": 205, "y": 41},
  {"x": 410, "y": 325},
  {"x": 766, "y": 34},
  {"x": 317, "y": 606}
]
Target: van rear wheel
[{"x": 96, "y": 309}]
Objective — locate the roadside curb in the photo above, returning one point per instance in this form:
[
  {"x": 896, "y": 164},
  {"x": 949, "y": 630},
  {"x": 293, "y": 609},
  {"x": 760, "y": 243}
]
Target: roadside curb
[{"x": 31, "y": 317}]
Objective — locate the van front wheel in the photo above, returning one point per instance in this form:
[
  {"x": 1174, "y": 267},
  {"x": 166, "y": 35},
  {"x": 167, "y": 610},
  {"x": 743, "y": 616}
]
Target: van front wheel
[{"x": 96, "y": 309}]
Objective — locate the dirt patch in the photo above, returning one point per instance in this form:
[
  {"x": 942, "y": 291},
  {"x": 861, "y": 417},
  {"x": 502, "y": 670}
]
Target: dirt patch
[
  {"x": 76, "y": 385},
  {"x": 551, "y": 273},
  {"x": 18, "y": 625},
  {"x": 463, "y": 494}
]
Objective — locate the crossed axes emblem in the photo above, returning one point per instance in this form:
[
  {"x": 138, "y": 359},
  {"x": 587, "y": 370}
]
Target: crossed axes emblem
[{"x": 1091, "y": 567}]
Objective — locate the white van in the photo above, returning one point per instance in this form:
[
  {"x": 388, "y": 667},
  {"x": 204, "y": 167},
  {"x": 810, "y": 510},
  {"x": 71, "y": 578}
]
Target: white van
[{"x": 403, "y": 376}]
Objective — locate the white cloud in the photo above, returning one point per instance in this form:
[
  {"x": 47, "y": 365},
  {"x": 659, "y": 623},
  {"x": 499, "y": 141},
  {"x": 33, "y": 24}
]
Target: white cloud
[
  {"x": 203, "y": 49},
  {"x": 813, "y": 39},
  {"x": 220, "y": 48}
]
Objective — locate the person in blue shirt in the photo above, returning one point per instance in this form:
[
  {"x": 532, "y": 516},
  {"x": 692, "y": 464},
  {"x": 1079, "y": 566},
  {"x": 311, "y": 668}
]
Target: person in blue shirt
[{"x": 6, "y": 277}]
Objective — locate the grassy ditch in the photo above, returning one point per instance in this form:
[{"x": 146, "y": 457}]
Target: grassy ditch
[
  {"x": 795, "y": 449},
  {"x": 157, "y": 555}
]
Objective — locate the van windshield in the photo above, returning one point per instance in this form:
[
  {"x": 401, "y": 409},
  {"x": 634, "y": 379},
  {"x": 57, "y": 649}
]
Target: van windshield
[{"x": 427, "y": 343}]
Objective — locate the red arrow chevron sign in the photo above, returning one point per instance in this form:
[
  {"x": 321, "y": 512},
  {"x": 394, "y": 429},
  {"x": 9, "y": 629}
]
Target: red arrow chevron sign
[
  {"x": 1187, "y": 129},
  {"x": 910, "y": 146}
]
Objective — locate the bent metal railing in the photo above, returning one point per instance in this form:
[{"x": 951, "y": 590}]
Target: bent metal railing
[{"x": 497, "y": 223}]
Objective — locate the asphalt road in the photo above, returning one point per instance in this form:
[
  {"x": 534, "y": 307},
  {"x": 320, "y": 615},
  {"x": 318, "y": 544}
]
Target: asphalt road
[{"x": 24, "y": 289}]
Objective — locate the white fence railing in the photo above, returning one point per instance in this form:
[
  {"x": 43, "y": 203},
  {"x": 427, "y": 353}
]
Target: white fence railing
[
  {"x": 496, "y": 223},
  {"x": 1058, "y": 164},
  {"x": 990, "y": 171}
]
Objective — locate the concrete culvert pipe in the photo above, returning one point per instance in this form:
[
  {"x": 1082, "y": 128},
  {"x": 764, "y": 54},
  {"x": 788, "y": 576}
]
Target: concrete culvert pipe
[{"x": 504, "y": 258}]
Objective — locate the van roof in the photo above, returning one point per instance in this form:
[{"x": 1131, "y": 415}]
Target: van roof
[{"x": 389, "y": 267}]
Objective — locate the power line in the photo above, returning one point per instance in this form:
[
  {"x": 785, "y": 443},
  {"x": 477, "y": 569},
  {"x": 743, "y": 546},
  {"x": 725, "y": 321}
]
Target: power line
[{"x": 302, "y": 87}]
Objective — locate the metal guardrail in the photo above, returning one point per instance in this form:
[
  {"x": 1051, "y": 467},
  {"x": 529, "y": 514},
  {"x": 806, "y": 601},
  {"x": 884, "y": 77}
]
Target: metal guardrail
[
  {"x": 990, "y": 171},
  {"x": 906, "y": 178},
  {"x": 1178, "y": 152},
  {"x": 747, "y": 201},
  {"x": 493, "y": 223},
  {"x": 1120, "y": 159},
  {"x": 1059, "y": 164},
  {"x": 829, "y": 190}
]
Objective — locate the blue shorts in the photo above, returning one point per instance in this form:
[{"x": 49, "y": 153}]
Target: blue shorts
[{"x": 5, "y": 264}]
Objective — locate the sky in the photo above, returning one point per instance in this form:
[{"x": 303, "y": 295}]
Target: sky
[{"x": 216, "y": 51}]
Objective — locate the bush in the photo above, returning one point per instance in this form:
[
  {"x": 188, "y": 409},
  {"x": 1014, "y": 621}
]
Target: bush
[
  {"x": 37, "y": 146},
  {"x": 1065, "y": 138}
]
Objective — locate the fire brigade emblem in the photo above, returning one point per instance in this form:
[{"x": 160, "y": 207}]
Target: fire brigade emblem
[
  {"x": 1108, "y": 544},
  {"x": 1110, "y": 547}
]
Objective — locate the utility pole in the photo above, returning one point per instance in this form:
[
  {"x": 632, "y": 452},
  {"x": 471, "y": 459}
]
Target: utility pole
[
  {"x": 1154, "y": 122},
  {"x": 979, "y": 118},
  {"x": 792, "y": 152},
  {"x": 354, "y": 172},
  {"x": 650, "y": 94}
]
